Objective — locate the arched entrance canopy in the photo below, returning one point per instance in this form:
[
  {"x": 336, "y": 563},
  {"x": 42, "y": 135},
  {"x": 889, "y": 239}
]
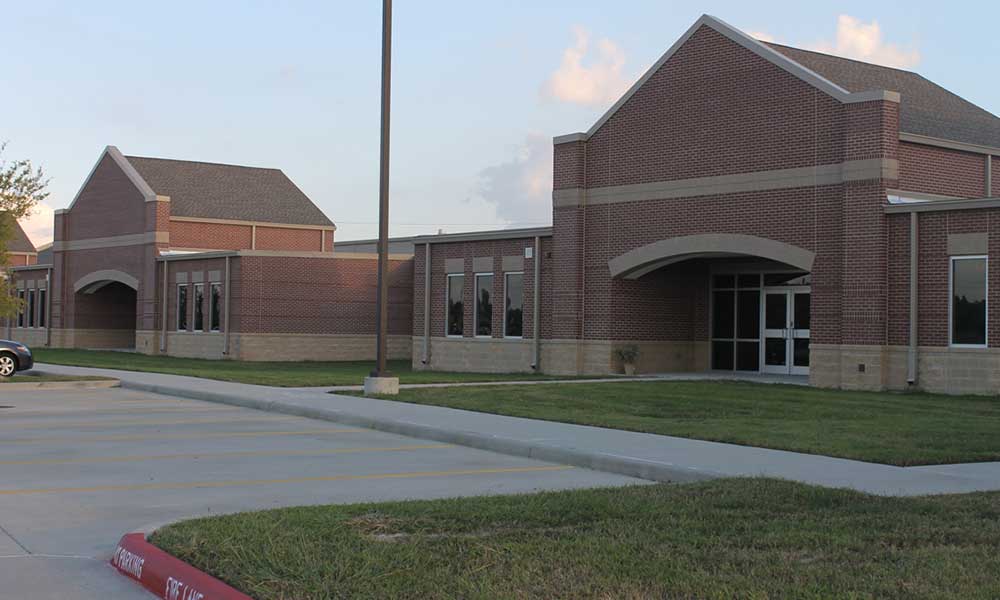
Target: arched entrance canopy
[
  {"x": 648, "y": 258},
  {"x": 88, "y": 284}
]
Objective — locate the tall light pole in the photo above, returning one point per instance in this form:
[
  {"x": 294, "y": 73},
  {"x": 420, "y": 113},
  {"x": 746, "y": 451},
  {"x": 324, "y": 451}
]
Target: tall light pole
[{"x": 380, "y": 381}]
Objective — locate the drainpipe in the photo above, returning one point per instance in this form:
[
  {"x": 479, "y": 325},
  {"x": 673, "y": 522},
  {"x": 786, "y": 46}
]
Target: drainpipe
[
  {"x": 48, "y": 307},
  {"x": 911, "y": 363},
  {"x": 537, "y": 303},
  {"x": 225, "y": 317},
  {"x": 163, "y": 312},
  {"x": 427, "y": 303}
]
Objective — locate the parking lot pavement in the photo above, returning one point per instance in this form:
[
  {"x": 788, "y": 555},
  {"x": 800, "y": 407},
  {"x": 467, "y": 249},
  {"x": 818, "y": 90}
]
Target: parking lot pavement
[{"x": 80, "y": 468}]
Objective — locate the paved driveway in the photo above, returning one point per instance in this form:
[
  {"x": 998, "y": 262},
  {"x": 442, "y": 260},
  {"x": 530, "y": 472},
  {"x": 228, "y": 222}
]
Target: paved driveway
[{"x": 79, "y": 468}]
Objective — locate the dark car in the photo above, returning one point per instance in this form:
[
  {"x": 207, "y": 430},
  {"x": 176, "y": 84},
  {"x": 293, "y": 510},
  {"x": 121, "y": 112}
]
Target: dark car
[{"x": 14, "y": 357}]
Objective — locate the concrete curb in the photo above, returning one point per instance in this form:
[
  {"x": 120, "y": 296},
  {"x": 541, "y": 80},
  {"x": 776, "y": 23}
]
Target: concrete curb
[
  {"x": 597, "y": 461},
  {"x": 165, "y": 575},
  {"x": 59, "y": 385}
]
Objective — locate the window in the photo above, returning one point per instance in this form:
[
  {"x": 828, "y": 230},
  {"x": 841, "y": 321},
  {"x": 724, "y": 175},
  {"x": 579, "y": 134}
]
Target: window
[
  {"x": 20, "y": 309},
  {"x": 484, "y": 305},
  {"x": 736, "y": 322},
  {"x": 513, "y": 323},
  {"x": 968, "y": 301},
  {"x": 455, "y": 319},
  {"x": 31, "y": 308},
  {"x": 215, "y": 307},
  {"x": 182, "y": 308},
  {"x": 199, "y": 307},
  {"x": 41, "y": 308}
]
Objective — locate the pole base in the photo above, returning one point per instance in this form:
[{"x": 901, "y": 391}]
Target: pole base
[{"x": 381, "y": 386}]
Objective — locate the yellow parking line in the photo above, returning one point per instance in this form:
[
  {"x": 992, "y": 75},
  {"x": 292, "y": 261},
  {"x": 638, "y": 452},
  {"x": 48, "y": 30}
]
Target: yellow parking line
[
  {"x": 176, "y": 436},
  {"x": 252, "y": 482},
  {"x": 149, "y": 422},
  {"x": 120, "y": 459}
]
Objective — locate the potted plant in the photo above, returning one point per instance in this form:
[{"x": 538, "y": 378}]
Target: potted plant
[{"x": 628, "y": 355}]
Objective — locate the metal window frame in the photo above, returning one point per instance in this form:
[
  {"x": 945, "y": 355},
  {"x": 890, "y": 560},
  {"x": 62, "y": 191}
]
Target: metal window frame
[
  {"x": 196, "y": 309},
  {"x": 177, "y": 318},
  {"x": 212, "y": 286},
  {"x": 951, "y": 300}
]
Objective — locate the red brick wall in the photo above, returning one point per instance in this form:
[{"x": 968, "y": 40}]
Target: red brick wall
[
  {"x": 188, "y": 267},
  {"x": 714, "y": 108},
  {"x": 299, "y": 240},
  {"x": 467, "y": 251},
  {"x": 934, "y": 170},
  {"x": 210, "y": 236},
  {"x": 996, "y": 177},
  {"x": 933, "y": 273},
  {"x": 109, "y": 205},
  {"x": 21, "y": 260},
  {"x": 318, "y": 295}
]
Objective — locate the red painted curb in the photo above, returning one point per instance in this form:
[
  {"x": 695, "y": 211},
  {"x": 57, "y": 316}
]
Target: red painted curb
[{"x": 165, "y": 576}]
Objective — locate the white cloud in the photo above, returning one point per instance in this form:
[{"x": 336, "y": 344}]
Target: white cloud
[
  {"x": 599, "y": 82},
  {"x": 521, "y": 188},
  {"x": 38, "y": 225},
  {"x": 762, "y": 36},
  {"x": 863, "y": 41},
  {"x": 860, "y": 41}
]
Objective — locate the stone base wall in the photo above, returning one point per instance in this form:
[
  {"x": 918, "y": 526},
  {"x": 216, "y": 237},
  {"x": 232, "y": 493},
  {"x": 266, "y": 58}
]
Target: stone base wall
[
  {"x": 940, "y": 370},
  {"x": 32, "y": 338},
  {"x": 308, "y": 347},
  {"x": 475, "y": 355},
  {"x": 558, "y": 357},
  {"x": 108, "y": 339},
  {"x": 185, "y": 344}
]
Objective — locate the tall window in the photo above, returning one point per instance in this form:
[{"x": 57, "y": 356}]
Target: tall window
[
  {"x": 31, "y": 308},
  {"x": 455, "y": 318},
  {"x": 182, "y": 308},
  {"x": 41, "y": 308},
  {"x": 484, "y": 305},
  {"x": 199, "y": 307},
  {"x": 20, "y": 310},
  {"x": 513, "y": 323},
  {"x": 215, "y": 302},
  {"x": 968, "y": 300}
]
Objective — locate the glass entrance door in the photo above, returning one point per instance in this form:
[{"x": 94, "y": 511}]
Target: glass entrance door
[{"x": 786, "y": 331}]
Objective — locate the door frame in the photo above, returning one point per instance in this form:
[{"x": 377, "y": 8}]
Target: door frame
[{"x": 789, "y": 333}]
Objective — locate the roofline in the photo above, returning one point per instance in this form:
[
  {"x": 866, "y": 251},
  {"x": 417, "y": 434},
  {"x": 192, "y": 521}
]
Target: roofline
[
  {"x": 274, "y": 254},
  {"x": 755, "y": 46},
  {"x": 30, "y": 267},
  {"x": 147, "y": 192},
  {"x": 475, "y": 236},
  {"x": 375, "y": 240},
  {"x": 942, "y": 205},
  {"x": 211, "y": 220},
  {"x": 927, "y": 140}
]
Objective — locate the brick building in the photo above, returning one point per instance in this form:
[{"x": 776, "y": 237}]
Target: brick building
[
  {"x": 204, "y": 260},
  {"x": 20, "y": 251},
  {"x": 745, "y": 206}
]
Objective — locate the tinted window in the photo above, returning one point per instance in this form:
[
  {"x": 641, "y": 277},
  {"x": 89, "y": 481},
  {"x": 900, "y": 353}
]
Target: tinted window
[
  {"x": 216, "y": 307},
  {"x": 748, "y": 315},
  {"x": 41, "y": 308},
  {"x": 31, "y": 308},
  {"x": 514, "y": 313},
  {"x": 723, "y": 315},
  {"x": 182, "y": 307},
  {"x": 199, "y": 304},
  {"x": 968, "y": 303},
  {"x": 456, "y": 307},
  {"x": 484, "y": 305}
]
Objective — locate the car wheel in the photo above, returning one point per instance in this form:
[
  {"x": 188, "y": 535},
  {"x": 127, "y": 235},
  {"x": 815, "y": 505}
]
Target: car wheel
[{"x": 8, "y": 365}]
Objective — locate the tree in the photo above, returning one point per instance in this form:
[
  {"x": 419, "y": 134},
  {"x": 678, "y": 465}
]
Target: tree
[{"x": 22, "y": 186}]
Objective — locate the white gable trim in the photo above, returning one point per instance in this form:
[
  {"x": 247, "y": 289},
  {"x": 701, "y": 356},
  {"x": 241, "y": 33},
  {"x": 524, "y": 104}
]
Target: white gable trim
[
  {"x": 751, "y": 44},
  {"x": 147, "y": 192}
]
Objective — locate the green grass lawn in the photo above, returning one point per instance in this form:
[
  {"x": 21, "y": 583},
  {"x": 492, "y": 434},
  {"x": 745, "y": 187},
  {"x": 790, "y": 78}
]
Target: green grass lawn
[
  {"x": 900, "y": 429},
  {"x": 747, "y": 538},
  {"x": 283, "y": 374}
]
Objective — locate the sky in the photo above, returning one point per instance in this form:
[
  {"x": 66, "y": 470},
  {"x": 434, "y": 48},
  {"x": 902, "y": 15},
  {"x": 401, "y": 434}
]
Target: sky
[{"x": 479, "y": 88}]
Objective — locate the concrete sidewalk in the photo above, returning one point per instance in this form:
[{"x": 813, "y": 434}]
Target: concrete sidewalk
[{"x": 653, "y": 457}]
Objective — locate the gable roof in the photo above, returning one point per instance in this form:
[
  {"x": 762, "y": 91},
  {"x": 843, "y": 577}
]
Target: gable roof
[
  {"x": 925, "y": 107},
  {"x": 230, "y": 192},
  {"x": 20, "y": 242}
]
